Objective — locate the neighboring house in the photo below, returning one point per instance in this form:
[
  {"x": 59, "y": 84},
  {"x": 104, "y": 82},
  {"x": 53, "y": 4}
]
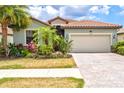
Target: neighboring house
[
  {"x": 9, "y": 37},
  {"x": 87, "y": 35},
  {"x": 120, "y": 34}
]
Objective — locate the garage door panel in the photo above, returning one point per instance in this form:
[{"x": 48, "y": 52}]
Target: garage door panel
[{"x": 90, "y": 43}]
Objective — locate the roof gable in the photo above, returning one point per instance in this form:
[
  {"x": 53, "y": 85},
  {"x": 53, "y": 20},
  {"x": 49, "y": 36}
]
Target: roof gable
[
  {"x": 56, "y": 18},
  {"x": 40, "y": 21}
]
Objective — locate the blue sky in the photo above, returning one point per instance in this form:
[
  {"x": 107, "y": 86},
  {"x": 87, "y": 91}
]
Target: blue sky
[{"x": 105, "y": 13}]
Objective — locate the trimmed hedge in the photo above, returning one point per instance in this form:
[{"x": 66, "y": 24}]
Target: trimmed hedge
[
  {"x": 121, "y": 50},
  {"x": 118, "y": 47}
]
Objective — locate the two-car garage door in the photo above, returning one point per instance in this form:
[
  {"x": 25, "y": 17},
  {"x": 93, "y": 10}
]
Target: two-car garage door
[{"x": 91, "y": 43}]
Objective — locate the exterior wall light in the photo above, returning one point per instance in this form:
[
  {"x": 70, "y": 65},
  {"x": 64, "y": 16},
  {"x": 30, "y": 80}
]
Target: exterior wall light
[{"x": 90, "y": 31}]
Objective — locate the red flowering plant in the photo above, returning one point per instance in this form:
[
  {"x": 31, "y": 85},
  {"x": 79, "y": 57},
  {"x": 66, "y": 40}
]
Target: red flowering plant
[{"x": 32, "y": 47}]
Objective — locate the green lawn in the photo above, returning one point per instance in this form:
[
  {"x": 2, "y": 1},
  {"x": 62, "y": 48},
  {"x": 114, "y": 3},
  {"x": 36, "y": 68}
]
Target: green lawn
[
  {"x": 41, "y": 83},
  {"x": 31, "y": 63}
]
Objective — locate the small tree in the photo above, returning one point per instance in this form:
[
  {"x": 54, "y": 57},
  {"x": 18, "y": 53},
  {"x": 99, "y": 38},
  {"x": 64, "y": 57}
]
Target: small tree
[{"x": 44, "y": 35}]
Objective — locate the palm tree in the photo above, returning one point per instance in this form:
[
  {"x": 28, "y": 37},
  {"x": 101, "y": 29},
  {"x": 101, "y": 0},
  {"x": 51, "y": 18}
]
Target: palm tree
[{"x": 14, "y": 16}]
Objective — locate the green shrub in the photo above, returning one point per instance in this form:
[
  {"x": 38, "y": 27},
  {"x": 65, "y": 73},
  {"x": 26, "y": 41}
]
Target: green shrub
[
  {"x": 114, "y": 48},
  {"x": 17, "y": 50},
  {"x": 45, "y": 50},
  {"x": 120, "y": 43},
  {"x": 116, "y": 45},
  {"x": 13, "y": 51},
  {"x": 120, "y": 50},
  {"x": 61, "y": 44},
  {"x": 24, "y": 52},
  {"x": 65, "y": 45}
]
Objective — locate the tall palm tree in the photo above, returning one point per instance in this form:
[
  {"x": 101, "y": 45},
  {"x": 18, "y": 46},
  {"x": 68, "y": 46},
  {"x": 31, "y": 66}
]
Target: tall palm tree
[{"x": 14, "y": 15}]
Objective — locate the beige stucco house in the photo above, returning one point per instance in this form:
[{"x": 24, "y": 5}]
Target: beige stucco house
[
  {"x": 120, "y": 34},
  {"x": 87, "y": 35}
]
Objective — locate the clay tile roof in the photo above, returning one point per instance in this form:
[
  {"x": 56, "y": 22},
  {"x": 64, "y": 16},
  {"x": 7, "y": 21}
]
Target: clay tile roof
[{"x": 90, "y": 24}]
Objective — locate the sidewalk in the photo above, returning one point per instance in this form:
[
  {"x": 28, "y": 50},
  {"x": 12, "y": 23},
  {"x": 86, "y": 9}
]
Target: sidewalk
[{"x": 64, "y": 72}]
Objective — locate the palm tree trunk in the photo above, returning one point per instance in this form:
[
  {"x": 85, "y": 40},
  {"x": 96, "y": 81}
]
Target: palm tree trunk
[{"x": 4, "y": 37}]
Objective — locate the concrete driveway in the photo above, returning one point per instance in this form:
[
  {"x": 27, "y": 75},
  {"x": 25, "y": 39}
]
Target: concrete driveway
[{"x": 101, "y": 70}]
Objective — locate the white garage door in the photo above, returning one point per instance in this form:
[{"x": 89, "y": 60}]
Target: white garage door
[{"x": 91, "y": 43}]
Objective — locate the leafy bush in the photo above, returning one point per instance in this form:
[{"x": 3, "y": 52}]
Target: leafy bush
[
  {"x": 24, "y": 52},
  {"x": 116, "y": 45},
  {"x": 120, "y": 50},
  {"x": 45, "y": 50},
  {"x": 17, "y": 50},
  {"x": 61, "y": 44},
  {"x": 56, "y": 42},
  {"x": 120, "y": 43},
  {"x": 114, "y": 48},
  {"x": 13, "y": 51},
  {"x": 64, "y": 45}
]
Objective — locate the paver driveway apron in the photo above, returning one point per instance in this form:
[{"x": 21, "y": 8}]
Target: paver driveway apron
[{"x": 101, "y": 69}]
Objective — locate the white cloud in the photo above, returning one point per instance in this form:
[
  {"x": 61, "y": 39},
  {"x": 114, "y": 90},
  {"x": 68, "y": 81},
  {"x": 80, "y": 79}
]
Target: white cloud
[
  {"x": 94, "y": 9},
  {"x": 100, "y": 9},
  {"x": 122, "y": 12},
  {"x": 51, "y": 10},
  {"x": 89, "y": 17},
  {"x": 121, "y": 6},
  {"x": 43, "y": 12},
  {"x": 73, "y": 12},
  {"x": 35, "y": 11}
]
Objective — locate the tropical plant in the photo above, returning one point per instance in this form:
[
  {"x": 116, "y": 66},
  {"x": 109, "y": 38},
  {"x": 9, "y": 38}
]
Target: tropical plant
[
  {"x": 56, "y": 42},
  {"x": 45, "y": 49},
  {"x": 14, "y": 16},
  {"x": 44, "y": 35},
  {"x": 65, "y": 45},
  {"x": 49, "y": 41},
  {"x": 13, "y": 51},
  {"x": 17, "y": 50}
]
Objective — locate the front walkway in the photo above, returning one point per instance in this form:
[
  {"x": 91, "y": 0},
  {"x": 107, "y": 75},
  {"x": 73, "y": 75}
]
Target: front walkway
[
  {"x": 65, "y": 72},
  {"x": 101, "y": 69}
]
